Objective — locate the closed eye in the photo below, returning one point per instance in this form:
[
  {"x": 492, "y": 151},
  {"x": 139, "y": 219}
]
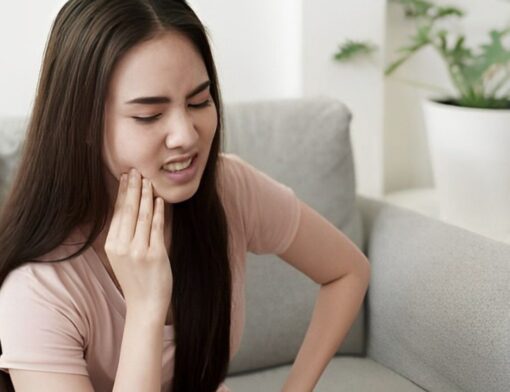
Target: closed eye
[
  {"x": 147, "y": 119},
  {"x": 154, "y": 118},
  {"x": 202, "y": 105}
]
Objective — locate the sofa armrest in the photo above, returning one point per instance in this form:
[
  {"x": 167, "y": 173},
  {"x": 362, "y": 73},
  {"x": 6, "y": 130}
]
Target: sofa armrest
[{"x": 438, "y": 300}]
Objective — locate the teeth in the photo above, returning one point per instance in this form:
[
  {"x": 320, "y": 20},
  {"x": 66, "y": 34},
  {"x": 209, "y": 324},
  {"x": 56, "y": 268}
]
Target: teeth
[{"x": 177, "y": 166}]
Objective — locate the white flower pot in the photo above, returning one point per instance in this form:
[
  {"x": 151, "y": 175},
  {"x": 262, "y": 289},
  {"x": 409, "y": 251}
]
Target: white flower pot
[{"x": 470, "y": 151}]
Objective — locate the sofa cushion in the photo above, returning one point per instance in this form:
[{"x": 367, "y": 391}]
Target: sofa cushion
[
  {"x": 343, "y": 374},
  {"x": 304, "y": 144}
]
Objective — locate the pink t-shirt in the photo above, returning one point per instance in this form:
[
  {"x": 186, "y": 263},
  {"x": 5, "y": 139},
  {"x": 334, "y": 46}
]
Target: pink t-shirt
[{"x": 69, "y": 316}]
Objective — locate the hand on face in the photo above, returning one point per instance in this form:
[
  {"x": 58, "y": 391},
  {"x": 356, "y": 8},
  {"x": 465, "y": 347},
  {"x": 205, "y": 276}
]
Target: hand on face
[{"x": 135, "y": 246}]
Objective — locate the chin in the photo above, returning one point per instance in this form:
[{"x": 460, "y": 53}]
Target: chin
[{"x": 177, "y": 194}]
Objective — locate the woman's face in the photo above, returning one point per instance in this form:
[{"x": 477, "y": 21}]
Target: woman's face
[{"x": 171, "y": 68}]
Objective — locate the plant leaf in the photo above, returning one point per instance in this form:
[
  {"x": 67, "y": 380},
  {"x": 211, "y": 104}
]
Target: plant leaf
[
  {"x": 495, "y": 52},
  {"x": 445, "y": 12},
  {"x": 419, "y": 40},
  {"x": 491, "y": 54},
  {"x": 393, "y": 66},
  {"x": 459, "y": 54},
  {"x": 350, "y": 49},
  {"x": 415, "y": 9},
  {"x": 443, "y": 42}
]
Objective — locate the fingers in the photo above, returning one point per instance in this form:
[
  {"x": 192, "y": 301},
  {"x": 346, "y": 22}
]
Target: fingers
[
  {"x": 158, "y": 224},
  {"x": 129, "y": 210},
  {"x": 144, "y": 222},
  {"x": 121, "y": 192},
  {"x": 137, "y": 219}
]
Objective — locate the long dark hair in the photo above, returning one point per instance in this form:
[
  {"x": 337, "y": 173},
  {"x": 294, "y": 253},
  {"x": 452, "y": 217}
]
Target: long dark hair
[{"x": 59, "y": 183}]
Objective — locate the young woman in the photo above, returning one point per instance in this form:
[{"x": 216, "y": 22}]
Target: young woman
[{"x": 121, "y": 269}]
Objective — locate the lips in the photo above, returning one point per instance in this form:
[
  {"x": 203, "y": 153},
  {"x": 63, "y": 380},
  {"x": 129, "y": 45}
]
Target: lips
[
  {"x": 180, "y": 160},
  {"x": 183, "y": 176},
  {"x": 191, "y": 163}
]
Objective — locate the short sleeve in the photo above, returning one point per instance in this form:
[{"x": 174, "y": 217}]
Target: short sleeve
[
  {"x": 270, "y": 210},
  {"x": 37, "y": 331}
]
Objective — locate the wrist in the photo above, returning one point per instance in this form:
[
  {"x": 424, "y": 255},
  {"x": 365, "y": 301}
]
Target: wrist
[{"x": 147, "y": 314}]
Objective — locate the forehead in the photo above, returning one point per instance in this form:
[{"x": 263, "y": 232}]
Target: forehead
[{"x": 167, "y": 64}]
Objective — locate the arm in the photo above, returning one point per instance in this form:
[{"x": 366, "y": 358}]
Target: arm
[
  {"x": 140, "y": 359},
  {"x": 335, "y": 310},
  {"x": 328, "y": 257}
]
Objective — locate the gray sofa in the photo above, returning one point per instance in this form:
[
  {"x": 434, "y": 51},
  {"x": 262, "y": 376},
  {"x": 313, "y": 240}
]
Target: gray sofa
[{"x": 437, "y": 313}]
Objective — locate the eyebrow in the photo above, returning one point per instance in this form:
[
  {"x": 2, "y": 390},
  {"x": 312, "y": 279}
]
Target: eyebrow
[{"x": 160, "y": 100}]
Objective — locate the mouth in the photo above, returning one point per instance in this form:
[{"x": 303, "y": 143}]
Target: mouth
[
  {"x": 184, "y": 175},
  {"x": 191, "y": 163}
]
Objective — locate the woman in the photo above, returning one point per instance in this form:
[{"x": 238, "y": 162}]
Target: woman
[{"x": 136, "y": 283}]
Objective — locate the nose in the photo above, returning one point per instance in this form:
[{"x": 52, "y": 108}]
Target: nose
[{"x": 181, "y": 132}]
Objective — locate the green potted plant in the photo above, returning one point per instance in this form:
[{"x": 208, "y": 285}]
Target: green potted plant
[{"x": 468, "y": 133}]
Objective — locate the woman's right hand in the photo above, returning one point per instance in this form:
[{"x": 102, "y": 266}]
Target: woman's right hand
[{"x": 135, "y": 246}]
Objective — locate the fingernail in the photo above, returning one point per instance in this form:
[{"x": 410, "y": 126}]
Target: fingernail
[{"x": 133, "y": 171}]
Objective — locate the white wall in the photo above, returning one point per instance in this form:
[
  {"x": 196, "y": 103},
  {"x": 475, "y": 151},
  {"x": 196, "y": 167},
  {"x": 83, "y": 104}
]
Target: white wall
[
  {"x": 24, "y": 27},
  {"x": 359, "y": 84},
  {"x": 257, "y": 46},
  {"x": 284, "y": 49},
  {"x": 281, "y": 49},
  {"x": 261, "y": 53},
  {"x": 260, "y": 61}
]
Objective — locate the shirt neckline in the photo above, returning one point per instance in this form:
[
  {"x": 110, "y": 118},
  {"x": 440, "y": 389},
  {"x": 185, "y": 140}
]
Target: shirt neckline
[{"x": 112, "y": 291}]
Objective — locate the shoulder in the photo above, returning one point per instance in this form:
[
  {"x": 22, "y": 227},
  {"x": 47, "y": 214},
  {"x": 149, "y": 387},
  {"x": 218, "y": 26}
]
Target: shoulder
[
  {"x": 230, "y": 168},
  {"x": 237, "y": 175},
  {"x": 239, "y": 183},
  {"x": 231, "y": 178},
  {"x": 246, "y": 181},
  {"x": 45, "y": 272},
  {"x": 268, "y": 209},
  {"x": 39, "y": 291},
  {"x": 58, "y": 284},
  {"x": 41, "y": 327}
]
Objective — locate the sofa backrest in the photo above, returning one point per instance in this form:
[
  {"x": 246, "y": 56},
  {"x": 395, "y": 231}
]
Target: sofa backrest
[
  {"x": 12, "y": 135},
  {"x": 305, "y": 144}
]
